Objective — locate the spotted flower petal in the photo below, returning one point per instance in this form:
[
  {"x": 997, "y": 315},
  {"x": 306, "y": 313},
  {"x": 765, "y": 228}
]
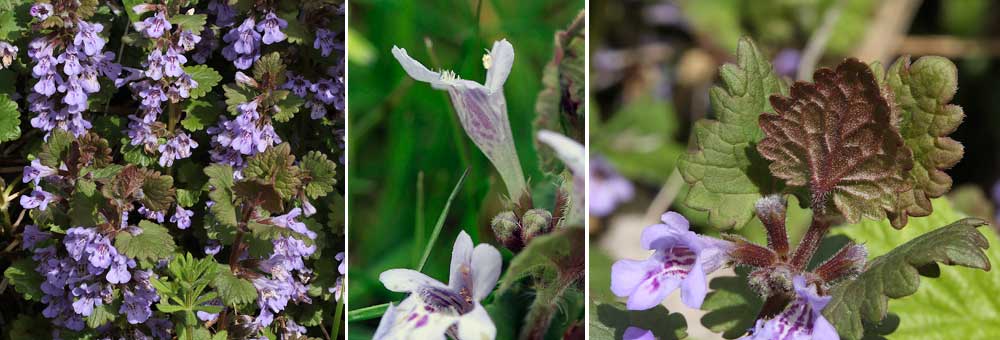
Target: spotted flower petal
[{"x": 681, "y": 259}]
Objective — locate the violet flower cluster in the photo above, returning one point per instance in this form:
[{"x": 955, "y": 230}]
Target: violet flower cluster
[
  {"x": 244, "y": 40},
  {"x": 80, "y": 274},
  {"x": 249, "y": 134},
  {"x": 67, "y": 73},
  {"x": 162, "y": 81}
]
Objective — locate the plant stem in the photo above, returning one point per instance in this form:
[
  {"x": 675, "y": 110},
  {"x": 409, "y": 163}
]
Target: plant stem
[
  {"x": 543, "y": 309},
  {"x": 338, "y": 316},
  {"x": 810, "y": 242},
  {"x": 174, "y": 115},
  {"x": 367, "y": 313}
]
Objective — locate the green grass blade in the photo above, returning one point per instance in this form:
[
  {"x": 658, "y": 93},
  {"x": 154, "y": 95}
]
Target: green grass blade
[
  {"x": 367, "y": 313},
  {"x": 440, "y": 221}
]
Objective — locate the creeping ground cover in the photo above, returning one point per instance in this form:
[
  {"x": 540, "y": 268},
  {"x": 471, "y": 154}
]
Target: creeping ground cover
[
  {"x": 861, "y": 150},
  {"x": 172, "y": 169}
]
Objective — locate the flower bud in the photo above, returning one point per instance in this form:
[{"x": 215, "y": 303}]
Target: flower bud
[
  {"x": 536, "y": 222},
  {"x": 506, "y": 228},
  {"x": 771, "y": 212}
]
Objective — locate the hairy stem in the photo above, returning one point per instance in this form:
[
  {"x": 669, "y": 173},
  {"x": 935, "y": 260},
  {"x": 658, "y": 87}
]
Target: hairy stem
[
  {"x": 543, "y": 309},
  {"x": 810, "y": 243}
]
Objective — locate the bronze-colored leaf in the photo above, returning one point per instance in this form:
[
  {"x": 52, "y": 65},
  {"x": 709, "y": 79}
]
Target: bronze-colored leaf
[{"x": 837, "y": 137}]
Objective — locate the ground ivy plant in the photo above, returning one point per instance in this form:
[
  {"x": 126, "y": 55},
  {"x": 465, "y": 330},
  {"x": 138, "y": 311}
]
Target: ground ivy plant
[
  {"x": 541, "y": 225},
  {"x": 859, "y": 143},
  {"x": 179, "y": 165}
]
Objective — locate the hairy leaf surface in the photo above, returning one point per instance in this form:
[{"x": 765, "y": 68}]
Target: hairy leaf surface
[
  {"x": 725, "y": 173},
  {"x": 837, "y": 138},
  {"x": 897, "y": 273},
  {"x": 921, "y": 92},
  {"x": 152, "y": 244}
]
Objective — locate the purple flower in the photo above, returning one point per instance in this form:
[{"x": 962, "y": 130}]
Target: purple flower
[
  {"x": 155, "y": 64},
  {"x": 326, "y": 41},
  {"x": 244, "y": 46},
  {"x": 36, "y": 171},
  {"x": 325, "y": 90},
  {"x": 298, "y": 84},
  {"x": 178, "y": 147},
  {"x": 37, "y": 199},
  {"x": 151, "y": 214},
  {"x": 786, "y": 62},
  {"x": 224, "y": 14},
  {"x": 188, "y": 40},
  {"x": 432, "y": 308},
  {"x": 607, "y": 188},
  {"x": 137, "y": 299},
  {"x": 271, "y": 26},
  {"x": 8, "y": 53},
  {"x": 289, "y": 221},
  {"x": 801, "y": 320},
  {"x": 682, "y": 259},
  {"x": 636, "y": 333},
  {"x": 182, "y": 217},
  {"x": 32, "y": 235},
  {"x": 88, "y": 38},
  {"x": 173, "y": 62},
  {"x": 41, "y": 11},
  {"x": 481, "y": 108},
  {"x": 154, "y": 26},
  {"x": 118, "y": 272},
  {"x": 140, "y": 132},
  {"x": 205, "y": 47},
  {"x": 212, "y": 247}
]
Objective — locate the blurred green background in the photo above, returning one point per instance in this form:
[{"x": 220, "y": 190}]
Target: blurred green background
[
  {"x": 654, "y": 61},
  {"x": 402, "y": 131}
]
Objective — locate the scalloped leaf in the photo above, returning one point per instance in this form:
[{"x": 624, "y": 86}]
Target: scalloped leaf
[
  {"x": 56, "y": 148},
  {"x": 560, "y": 104},
  {"x": 921, "y": 92},
  {"x": 897, "y": 273},
  {"x": 322, "y": 174},
  {"x": 199, "y": 113},
  {"x": 102, "y": 314},
  {"x": 220, "y": 179},
  {"x": 152, "y": 244},
  {"x": 261, "y": 194},
  {"x": 157, "y": 191},
  {"x": 276, "y": 166},
  {"x": 955, "y": 298},
  {"x": 192, "y": 22},
  {"x": 233, "y": 290},
  {"x": 10, "y": 119},
  {"x": 837, "y": 138},
  {"x": 725, "y": 173},
  {"x": 206, "y": 77},
  {"x": 25, "y": 279},
  {"x": 287, "y": 107},
  {"x": 731, "y": 304}
]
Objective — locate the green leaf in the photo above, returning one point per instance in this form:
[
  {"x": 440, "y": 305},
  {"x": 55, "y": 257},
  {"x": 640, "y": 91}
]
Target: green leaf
[
  {"x": 235, "y": 96},
  {"x": 9, "y": 28},
  {"x": 276, "y": 166},
  {"x": 10, "y": 119},
  {"x": 25, "y": 279},
  {"x": 55, "y": 148},
  {"x": 199, "y": 114},
  {"x": 608, "y": 321},
  {"x": 152, "y": 244},
  {"x": 28, "y": 327},
  {"x": 83, "y": 208},
  {"x": 220, "y": 178},
  {"x": 922, "y": 92},
  {"x": 192, "y": 22},
  {"x": 269, "y": 66},
  {"x": 838, "y": 138},
  {"x": 297, "y": 31},
  {"x": 732, "y": 306},
  {"x": 233, "y": 291},
  {"x": 321, "y": 173},
  {"x": 547, "y": 257},
  {"x": 287, "y": 108},
  {"x": 102, "y": 314},
  {"x": 896, "y": 275},
  {"x": 725, "y": 173},
  {"x": 188, "y": 198},
  {"x": 158, "y": 191},
  {"x": 206, "y": 77},
  {"x": 135, "y": 154}
]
